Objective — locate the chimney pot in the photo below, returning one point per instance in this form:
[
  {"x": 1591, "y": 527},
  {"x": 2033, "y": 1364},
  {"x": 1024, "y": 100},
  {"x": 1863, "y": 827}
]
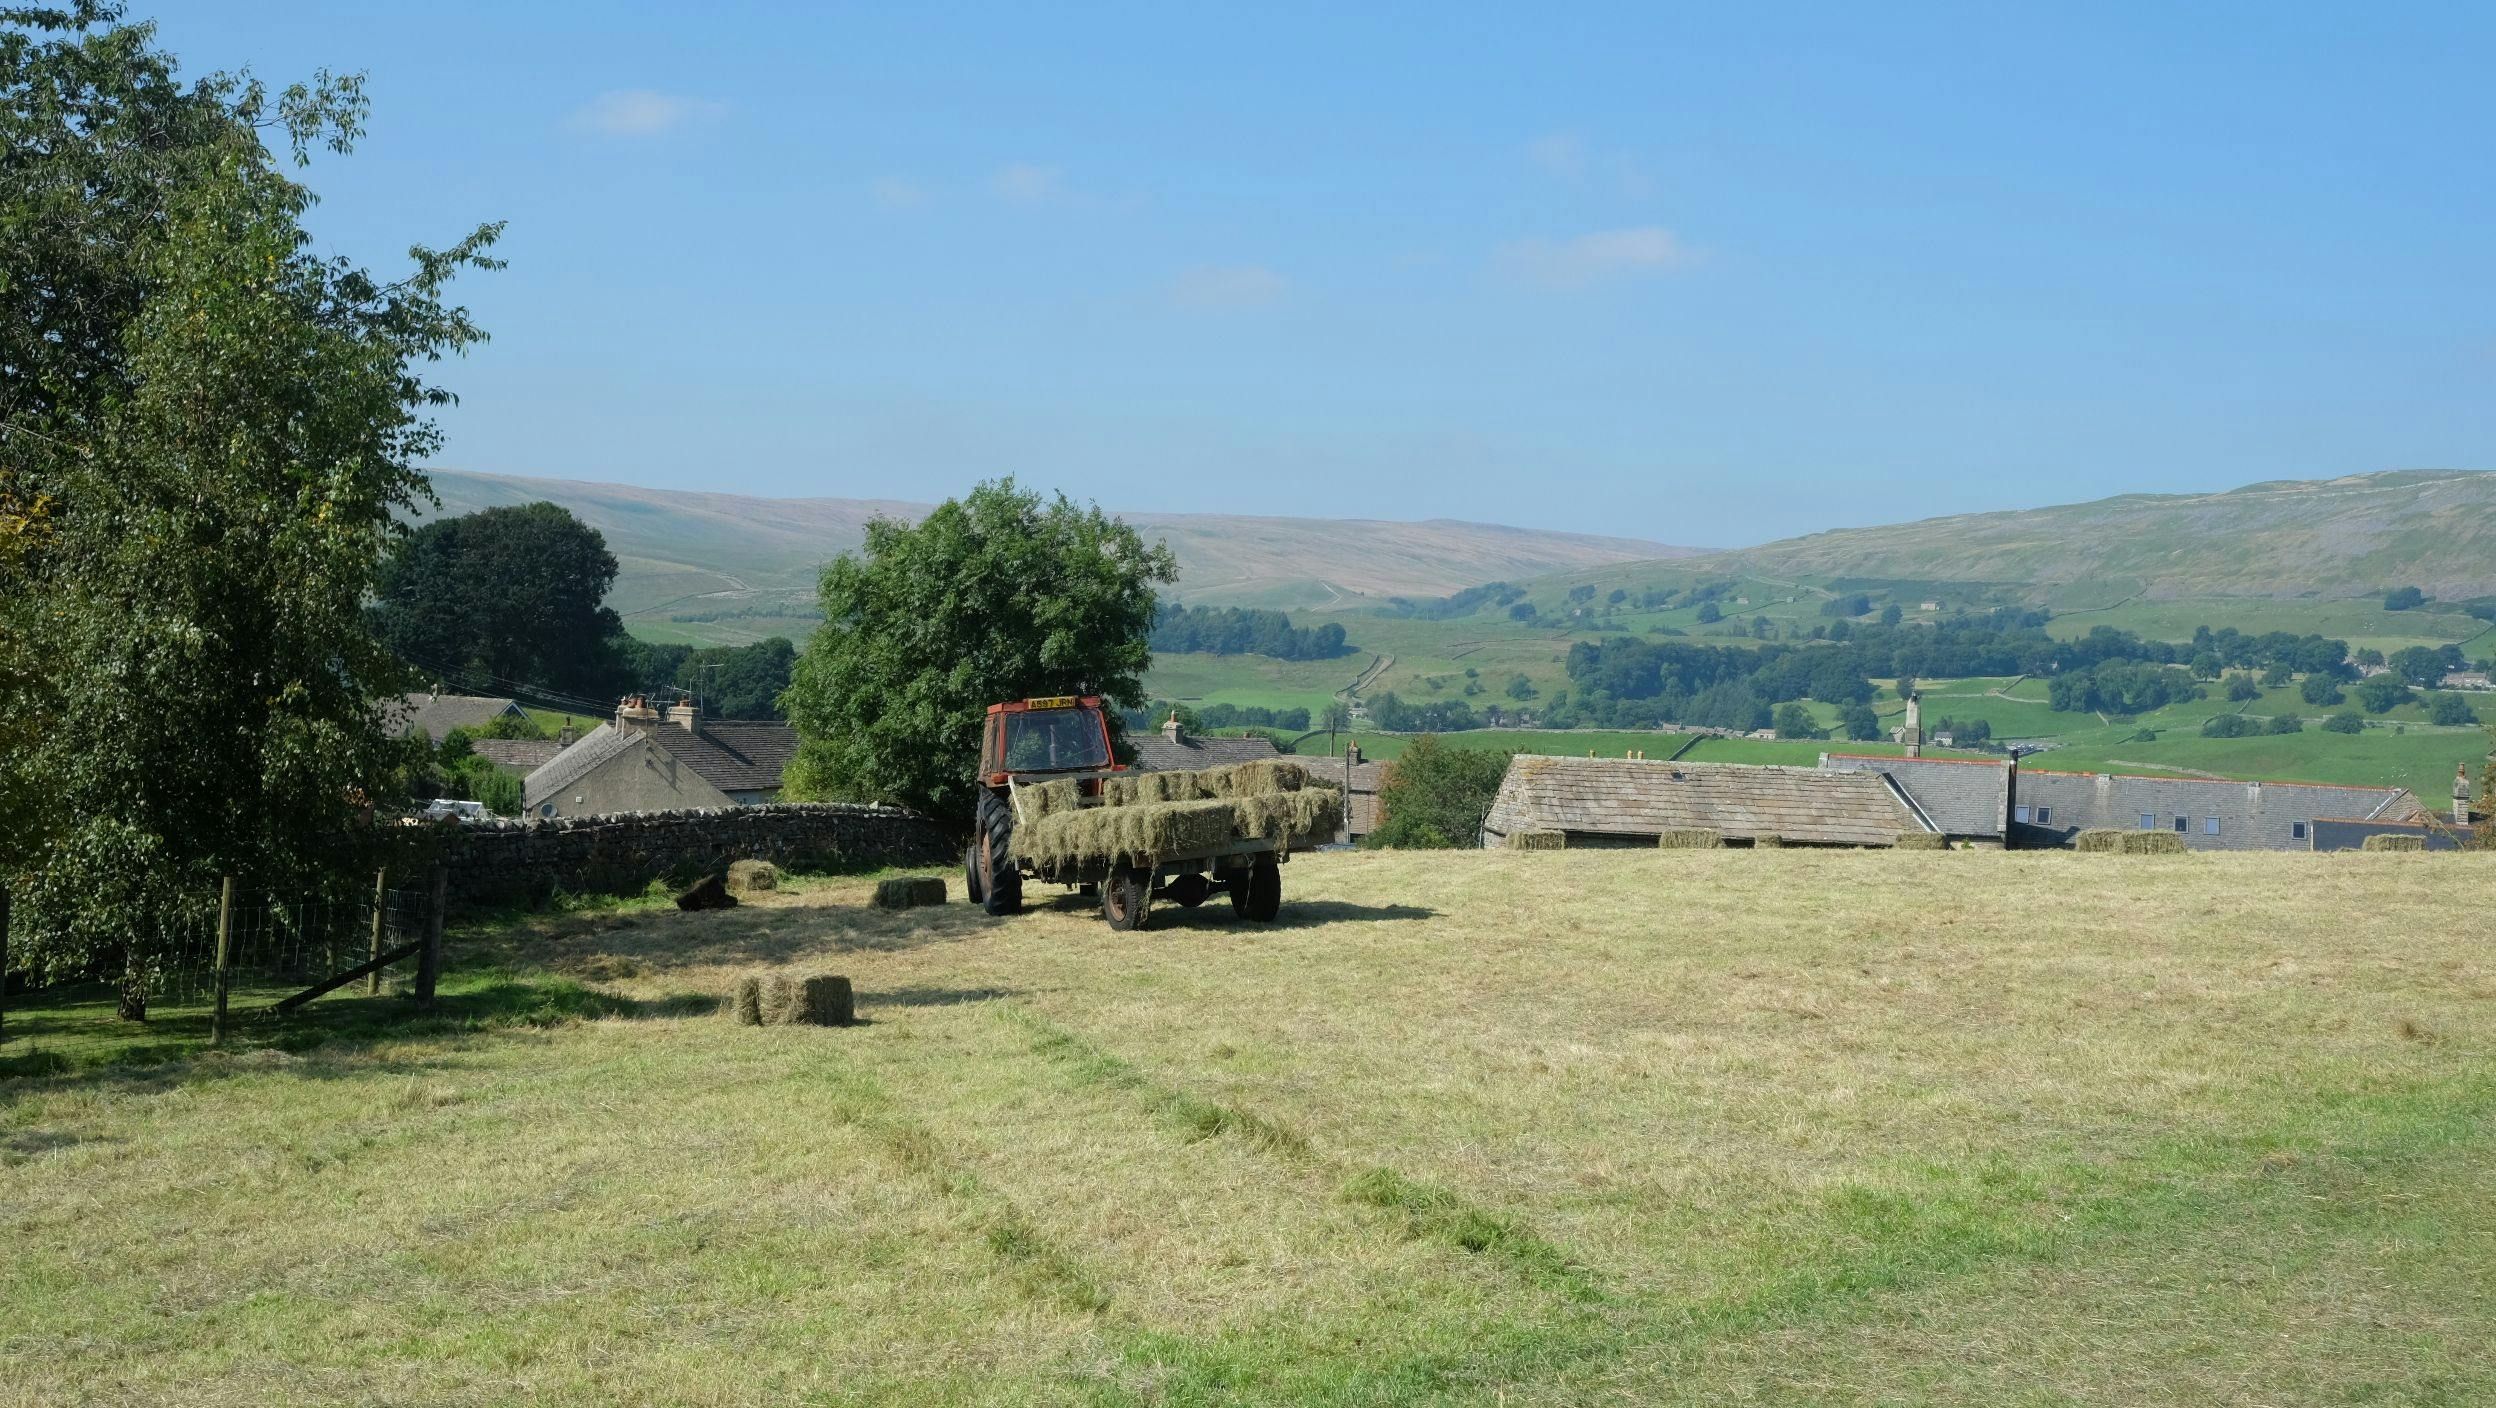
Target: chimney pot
[
  {"x": 1170, "y": 726},
  {"x": 636, "y": 710},
  {"x": 684, "y": 714}
]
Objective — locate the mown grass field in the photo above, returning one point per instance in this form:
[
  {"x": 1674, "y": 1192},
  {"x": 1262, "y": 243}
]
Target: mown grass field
[{"x": 1558, "y": 1128}]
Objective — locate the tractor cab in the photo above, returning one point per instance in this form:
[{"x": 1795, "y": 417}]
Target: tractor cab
[{"x": 1043, "y": 738}]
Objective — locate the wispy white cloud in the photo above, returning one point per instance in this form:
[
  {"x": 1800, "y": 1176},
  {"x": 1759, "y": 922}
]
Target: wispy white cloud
[
  {"x": 893, "y": 193},
  {"x": 640, "y": 112},
  {"x": 1645, "y": 249},
  {"x": 1567, "y": 157},
  {"x": 1227, "y": 288},
  {"x": 1025, "y": 183}
]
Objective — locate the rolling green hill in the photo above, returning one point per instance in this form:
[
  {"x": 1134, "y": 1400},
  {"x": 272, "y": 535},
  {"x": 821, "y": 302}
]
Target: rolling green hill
[
  {"x": 731, "y": 567},
  {"x": 2350, "y": 537}
]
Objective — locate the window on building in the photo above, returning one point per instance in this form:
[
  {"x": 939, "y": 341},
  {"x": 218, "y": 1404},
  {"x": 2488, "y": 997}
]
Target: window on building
[
  {"x": 2296, "y": 831},
  {"x": 2019, "y": 813},
  {"x": 2149, "y": 821},
  {"x": 2209, "y": 826},
  {"x": 2183, "y": 824},
  {"x": 2044, "y": 815}
]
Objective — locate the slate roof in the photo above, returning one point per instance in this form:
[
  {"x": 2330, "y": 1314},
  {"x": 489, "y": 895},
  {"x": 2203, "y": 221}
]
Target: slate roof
[
  {"x": 1968, "y": 797},
  {"x": 733, "y": 755},
  {"x": 435, "y": 715},
  {"x": 576, "y": 762},
  {"x": 520, "y": 755},
  {"x": 1154, "y": 752},
  {"x": 1636, "y": 797},
  {"x": 2253, "y": 816},
  {"x": 1360, "y": 782}
]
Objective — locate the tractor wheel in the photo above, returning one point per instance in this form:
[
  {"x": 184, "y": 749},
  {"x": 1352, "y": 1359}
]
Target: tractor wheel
[
  {"x": 1000, "y": 884},
  {"x": 971, "y": 885},
  {"x": 1258, "y": 895},
  {"x": 1126, "y": 898}
]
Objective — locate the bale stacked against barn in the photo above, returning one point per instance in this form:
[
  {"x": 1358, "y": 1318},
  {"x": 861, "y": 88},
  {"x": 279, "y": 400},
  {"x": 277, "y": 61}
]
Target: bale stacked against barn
[
  {"x": 1143, "y": 818},
  {"x": 1923, "y": 841},
  {"x": 1538, "y": 840},
  {"x": 1688, "y": 838}
]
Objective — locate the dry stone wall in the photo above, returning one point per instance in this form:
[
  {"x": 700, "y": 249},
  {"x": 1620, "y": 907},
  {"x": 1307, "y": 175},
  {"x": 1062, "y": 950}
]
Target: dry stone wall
[{"x": 511, "y": 860}]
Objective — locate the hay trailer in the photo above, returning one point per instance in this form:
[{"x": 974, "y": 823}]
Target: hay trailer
[{"x": 1032, "y": 742}]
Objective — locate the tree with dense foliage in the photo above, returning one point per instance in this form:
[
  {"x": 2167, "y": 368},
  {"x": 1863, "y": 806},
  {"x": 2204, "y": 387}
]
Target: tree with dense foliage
[
  {"x": 2229, "y": 726},
  {"x": 2403, "y": 599},
  {"x": 2346, "y": 721},
  {"x": 1437, "y": 795},
  {"x": 2285, "y": 723},
  {"x": 2321, "y": 691},
  {"x": 1710, "y": 613},
  {"x": 2450, "y": 711},
  {"x": 998, "y": 595},
  {"x": 503, "y": 599},
  {"x": 2424, "y": 665},
  {"x": 2381, "y": 694},
  {"x": 1860, "y": 723},
  {"x": 218, "y": 426},
  {"x": 2241, "y": 689},
  {"x": 730, "y": 681},
  {"x": 1794, "y": 721}
]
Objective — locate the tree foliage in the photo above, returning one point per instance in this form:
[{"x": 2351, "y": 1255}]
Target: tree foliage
[
  {"x": 1235, "y": 631},
  {"x": 504, "y": 598},
  {"x": 1436, "y": 795},
  {"x": 998, "y": 595},
  {"x": 214, "y": 428},
  {"x": 731, "y": 681}
]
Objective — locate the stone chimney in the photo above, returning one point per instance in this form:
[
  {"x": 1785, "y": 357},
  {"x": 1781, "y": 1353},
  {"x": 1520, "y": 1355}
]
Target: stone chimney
[
  {"x": 1352, "y": 753},
  {"x": 2461, "y": 794},
  {"x": 567, "y": 735},
  {"x": 1915, "y": 724},
  {"x": 1170, "y": 726},
  {"x": 684, "y": 713},
  {"x": 636, "y": 712}
]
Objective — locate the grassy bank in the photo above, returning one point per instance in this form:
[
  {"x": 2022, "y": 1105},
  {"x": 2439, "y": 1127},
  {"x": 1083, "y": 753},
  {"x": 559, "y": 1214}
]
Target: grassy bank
[{"x": 1477, "y": 1128}]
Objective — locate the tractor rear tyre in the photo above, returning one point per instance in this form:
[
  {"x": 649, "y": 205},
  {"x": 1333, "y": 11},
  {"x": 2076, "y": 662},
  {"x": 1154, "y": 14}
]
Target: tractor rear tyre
[
  {"x": 1257, "y": 896},
  {"x": 1000, "y": 884},
  {"x": 1126, "y": 898},
  {"x": 971, "y": 885}
]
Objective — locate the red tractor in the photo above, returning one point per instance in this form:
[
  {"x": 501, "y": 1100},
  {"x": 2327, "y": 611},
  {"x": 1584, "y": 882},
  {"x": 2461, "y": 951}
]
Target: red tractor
[{"x": 1047, "y": 740}]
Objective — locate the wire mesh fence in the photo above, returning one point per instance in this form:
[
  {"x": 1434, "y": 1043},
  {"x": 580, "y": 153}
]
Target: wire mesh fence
[{"x": 275, "y": 946}]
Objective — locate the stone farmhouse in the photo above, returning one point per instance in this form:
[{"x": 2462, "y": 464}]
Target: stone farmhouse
[
  {"x": 1624, "y": 802},
  {"x": 647, "y": 760}
]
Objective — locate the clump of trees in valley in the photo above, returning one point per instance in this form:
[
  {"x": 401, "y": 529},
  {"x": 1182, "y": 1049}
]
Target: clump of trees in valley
[
  {"x": 1233, "y": 631},
  {"x": 211, "y": 428}
]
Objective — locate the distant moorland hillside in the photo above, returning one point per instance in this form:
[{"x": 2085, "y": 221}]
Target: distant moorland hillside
[
  {"x": 682, "y": 551},
  {"x": 2350, "y": 537}
]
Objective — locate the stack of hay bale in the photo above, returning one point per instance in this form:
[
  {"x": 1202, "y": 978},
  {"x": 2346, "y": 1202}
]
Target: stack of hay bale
[
  {"x": 1923, "y": 841},
  {"x": 2393, "y": 843},
  {"x": 2110, "y": 840},
  {"x": 1145, "y": 817}
]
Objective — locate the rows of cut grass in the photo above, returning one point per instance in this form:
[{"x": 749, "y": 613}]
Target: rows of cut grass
[{"x": 1484, "y": 1128}]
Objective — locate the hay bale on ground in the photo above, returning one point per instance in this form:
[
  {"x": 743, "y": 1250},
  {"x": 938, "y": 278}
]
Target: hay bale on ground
[
  {"x": 2101, "y": 840},
  {"x": 745, "y": 1001},
  {"x": 1538, "y": 840},
  {"x": 1923, "y": 841},
  {"x": 909, "y": 892},
  {"x": 1768, "y": 841},
  {"x": 2393, "y": 842},
  {"x": 709, "y": 892},
  {"x": 749, "y": 876},
  {"x": 2153, "y": 843},
  {"x": 813, "y": 1000},
  {"x": 1688, "y": 838}
]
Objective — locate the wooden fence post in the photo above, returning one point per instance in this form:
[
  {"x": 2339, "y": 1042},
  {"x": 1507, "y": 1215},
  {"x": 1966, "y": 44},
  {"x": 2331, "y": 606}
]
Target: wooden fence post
[
  {"x": 225, "y": 957},
  {"x": 381, "y": 898},
  {"x": 4, "y": 962},
  {"x": 429, "y": 959}
]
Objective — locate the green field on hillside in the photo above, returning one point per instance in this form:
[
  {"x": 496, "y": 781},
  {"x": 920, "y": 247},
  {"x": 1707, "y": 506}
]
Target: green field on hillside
[{"x": 1826, "y": 1128}]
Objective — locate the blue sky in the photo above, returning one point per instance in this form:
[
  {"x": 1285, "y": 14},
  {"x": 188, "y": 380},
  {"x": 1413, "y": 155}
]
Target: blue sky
[{"x": 1708, "y": 276}]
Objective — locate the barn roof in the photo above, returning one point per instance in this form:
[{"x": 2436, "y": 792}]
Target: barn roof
[{"x": 1632, "y": 797}]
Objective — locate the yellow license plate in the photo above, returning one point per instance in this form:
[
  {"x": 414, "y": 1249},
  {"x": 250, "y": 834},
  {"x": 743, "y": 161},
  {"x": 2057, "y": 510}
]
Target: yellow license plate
[{"x": 1063, "y": 701}]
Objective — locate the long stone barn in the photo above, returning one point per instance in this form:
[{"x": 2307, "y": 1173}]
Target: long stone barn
[{"x": 1624, "y": 802}]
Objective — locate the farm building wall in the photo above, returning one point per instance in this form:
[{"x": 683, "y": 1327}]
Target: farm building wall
[{"x": 621, "y": 854}]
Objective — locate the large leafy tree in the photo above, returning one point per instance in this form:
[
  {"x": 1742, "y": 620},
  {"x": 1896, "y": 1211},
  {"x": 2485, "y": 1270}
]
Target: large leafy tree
[
  {"x": 1437, "y": 795},
  {"x": 502, "y": 598},
  {"x": 998, "y": 595},
  {"x": 205, "y": 432}
]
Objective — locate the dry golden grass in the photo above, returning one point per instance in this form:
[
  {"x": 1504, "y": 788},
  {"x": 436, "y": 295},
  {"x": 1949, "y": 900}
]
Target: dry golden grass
[{"x": 1552, "y": 1127}]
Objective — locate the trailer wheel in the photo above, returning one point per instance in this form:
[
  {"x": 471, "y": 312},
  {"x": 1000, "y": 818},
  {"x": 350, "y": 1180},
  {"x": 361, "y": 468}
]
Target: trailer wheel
[
  {"x": 1000, "y": 884},
  {"x": 1126, "y": 898},
  {"x": 1257, "y": 896}
]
